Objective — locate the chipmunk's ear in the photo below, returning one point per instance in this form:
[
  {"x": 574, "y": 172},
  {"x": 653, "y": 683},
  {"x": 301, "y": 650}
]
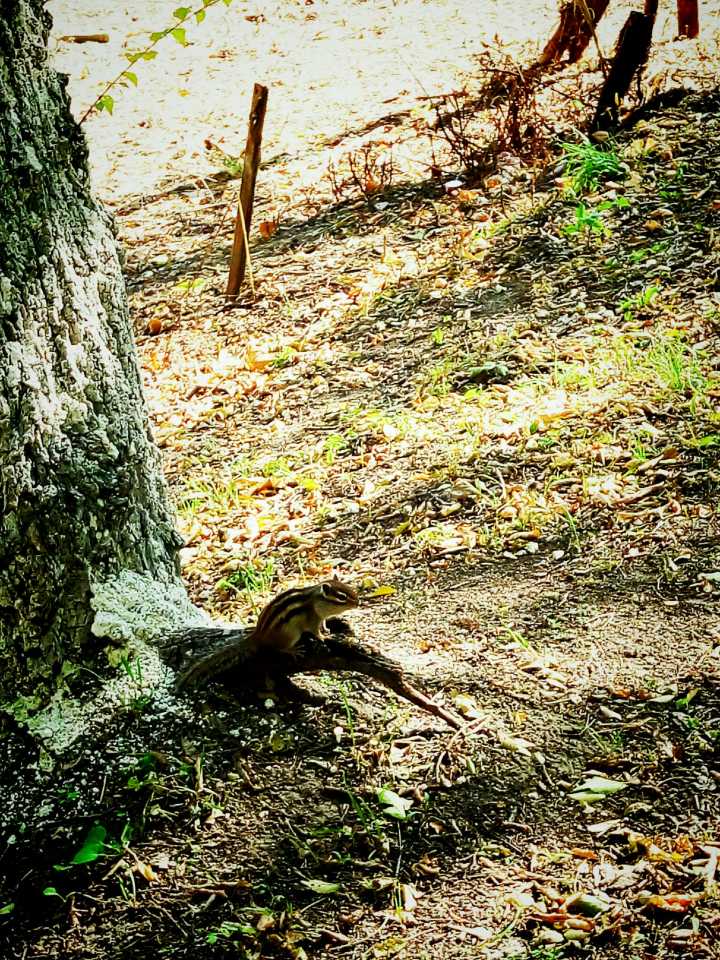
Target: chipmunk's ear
[{"x": 339, "y": 593}]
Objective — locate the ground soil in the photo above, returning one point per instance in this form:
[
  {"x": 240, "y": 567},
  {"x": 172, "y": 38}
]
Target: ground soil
[{"x": 500, "y": 421}]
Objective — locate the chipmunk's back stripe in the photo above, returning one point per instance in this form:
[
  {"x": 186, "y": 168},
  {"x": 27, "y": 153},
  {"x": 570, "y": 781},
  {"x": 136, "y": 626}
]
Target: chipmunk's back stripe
[
  {"x": 288, "y": 611},
  {"x": 279, "y": 605}
]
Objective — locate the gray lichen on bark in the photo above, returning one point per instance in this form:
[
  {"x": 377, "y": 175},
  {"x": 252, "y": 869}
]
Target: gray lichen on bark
[
  {"x": 131, "y": 607},
  {"x": 82, "y": 499}
]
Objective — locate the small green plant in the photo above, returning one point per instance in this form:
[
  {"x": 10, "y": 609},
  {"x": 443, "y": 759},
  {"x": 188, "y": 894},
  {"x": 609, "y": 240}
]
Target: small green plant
[
  {"x": 689, "y": 721},
  {"x": 233, "y": 165},
  {"x": 342, "y": 689},
  {"x": 144, "y": 775},
  {"x": 229, "y": 929},
  {"x": 540, "y": 953},
  {"x": 277, "y": 467},
  {"x": 640, "y": 300},
  {"x": 53, "y": 892},
  {"x": 333, "y": 444},
  {"x": 133, "y": 668},
  {"x": 250, "y": 578},
  {"x": 675, "y": 366},
  {"x": 438, "y": 379},
  {"x": 517, "y": 639},
  {"x": 393, "y": 804},
  {"x": 587, "y": 164},
  {"x": 192, "y": 285},
  {"x": 683, "y": 703},
  {"x": 572, "y": 527},
  {"x": 433, "y": 536},
  {"x": 615, "y": 203},
  {"x": 670, "y": 187},
  {"x": 610, "y": 745},
  {"x": 642, "y": 253},
  {"x": 574, "y": 375},
  {"x": 68, "y": 794},
  {"x": 284, "y": 357},
  {"x": 371, "y": 824},
  {"x": 708, "y": 440},
  {"x": 93, "y": 847},
  {"x": 640, "y": 450},
  {"x": 587, "y": 221},
  {"x": 624, "y": 355},
  {"x": 217, "y": 495}
]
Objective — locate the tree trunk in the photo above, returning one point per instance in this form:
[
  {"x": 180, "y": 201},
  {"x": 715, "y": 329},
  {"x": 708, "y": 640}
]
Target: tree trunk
[{"x": 81, "y": 492}]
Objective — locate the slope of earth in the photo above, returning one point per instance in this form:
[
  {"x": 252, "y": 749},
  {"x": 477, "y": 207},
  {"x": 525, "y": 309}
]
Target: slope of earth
[{"x": 496, "y": 410}]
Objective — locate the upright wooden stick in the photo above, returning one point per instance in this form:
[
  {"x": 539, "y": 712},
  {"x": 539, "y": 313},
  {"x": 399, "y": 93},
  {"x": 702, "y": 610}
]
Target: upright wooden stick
[
  {"x": 688, "y": 20},
  {"x": 631, "y": 53},
  {"x": 251, "y": 162}
]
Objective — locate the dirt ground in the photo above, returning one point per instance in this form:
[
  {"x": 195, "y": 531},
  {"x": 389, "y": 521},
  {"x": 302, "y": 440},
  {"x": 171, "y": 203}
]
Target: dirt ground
[{"x": 492, "y": 406}]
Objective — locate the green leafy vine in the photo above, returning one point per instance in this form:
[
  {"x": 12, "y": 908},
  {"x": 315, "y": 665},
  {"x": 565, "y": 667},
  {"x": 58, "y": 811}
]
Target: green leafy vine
[{"x": 128, "y": 77}]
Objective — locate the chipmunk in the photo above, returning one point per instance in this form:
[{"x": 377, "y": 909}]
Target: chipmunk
[{"x": 280, "y": 626}]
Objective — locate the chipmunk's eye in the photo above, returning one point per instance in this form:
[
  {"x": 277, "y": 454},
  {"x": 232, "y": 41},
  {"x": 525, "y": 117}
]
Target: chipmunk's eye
[{"x": 334, "y": 594}]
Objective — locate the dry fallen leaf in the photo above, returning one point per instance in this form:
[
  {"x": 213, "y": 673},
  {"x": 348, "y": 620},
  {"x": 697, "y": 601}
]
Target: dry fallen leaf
[
  {"x": 583, "y": 854},
  {"x": 145, "y": 870},
  {"x": 384, "y": 591},
  {"x": 670, "y": 902},
  {"x": 268, "y": 227}
]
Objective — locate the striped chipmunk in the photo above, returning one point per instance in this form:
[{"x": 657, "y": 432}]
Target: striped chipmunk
[{"x": 281, "y": 624}]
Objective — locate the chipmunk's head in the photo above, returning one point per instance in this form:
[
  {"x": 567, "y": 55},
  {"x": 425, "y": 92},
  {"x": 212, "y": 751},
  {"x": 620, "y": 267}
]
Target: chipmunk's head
[{"x": 334, "y": 597}]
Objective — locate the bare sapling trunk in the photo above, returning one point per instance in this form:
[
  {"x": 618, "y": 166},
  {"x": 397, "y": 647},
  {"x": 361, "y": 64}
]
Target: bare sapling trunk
[{"x": 688, "y": 19}]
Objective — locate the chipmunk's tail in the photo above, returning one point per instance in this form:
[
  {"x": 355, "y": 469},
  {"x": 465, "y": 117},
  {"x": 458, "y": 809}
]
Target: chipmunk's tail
[{"x": 227, "y": 657}]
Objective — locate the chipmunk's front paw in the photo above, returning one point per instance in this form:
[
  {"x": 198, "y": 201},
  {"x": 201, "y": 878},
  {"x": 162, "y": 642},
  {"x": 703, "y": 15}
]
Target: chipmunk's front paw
[{"x": 338, "y": 627}]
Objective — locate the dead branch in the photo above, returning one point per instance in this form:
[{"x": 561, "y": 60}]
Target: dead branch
[
  {"x": 574, "y": 32},
  {"x": 86, "y": 38},
  {"x": 510, "y": 92},
  {"x": 336, "y": 653}
]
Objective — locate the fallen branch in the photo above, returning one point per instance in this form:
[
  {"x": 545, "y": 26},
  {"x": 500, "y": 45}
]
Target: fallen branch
[
  {"x": 86, "y": 38},
  {"x": 639, "y": 494},
  {"x": 336, "y": 653}
]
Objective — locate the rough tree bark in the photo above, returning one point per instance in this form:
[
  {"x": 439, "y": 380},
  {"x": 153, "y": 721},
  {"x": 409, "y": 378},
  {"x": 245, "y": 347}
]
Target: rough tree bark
[{"x": 81, "y": 493}]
